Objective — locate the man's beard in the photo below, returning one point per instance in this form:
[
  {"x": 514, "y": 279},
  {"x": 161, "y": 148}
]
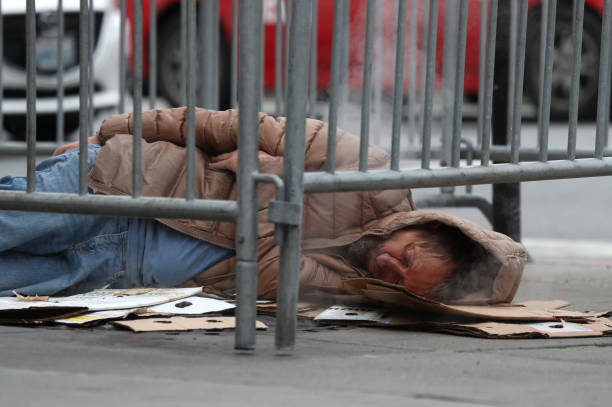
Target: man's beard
[{"x": 358, "y": 253}]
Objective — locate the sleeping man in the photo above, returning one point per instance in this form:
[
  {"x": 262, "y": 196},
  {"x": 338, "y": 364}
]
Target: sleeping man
[{"x": 377, "y": 234}]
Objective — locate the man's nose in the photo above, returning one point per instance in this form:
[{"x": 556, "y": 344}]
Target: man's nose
[{"x": 389, "y": 263}]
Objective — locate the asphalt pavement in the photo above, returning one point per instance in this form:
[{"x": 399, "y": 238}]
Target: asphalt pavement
[{"x": 60, "y": 366}]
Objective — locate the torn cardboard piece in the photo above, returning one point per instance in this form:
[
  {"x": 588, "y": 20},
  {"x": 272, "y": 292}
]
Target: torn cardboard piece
[
  {"x": 394, "y": 296},
  {"x": 183, "y": 324}
]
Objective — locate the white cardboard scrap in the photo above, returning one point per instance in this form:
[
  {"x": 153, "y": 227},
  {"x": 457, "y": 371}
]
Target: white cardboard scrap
[{"x": 107, "y": 299}]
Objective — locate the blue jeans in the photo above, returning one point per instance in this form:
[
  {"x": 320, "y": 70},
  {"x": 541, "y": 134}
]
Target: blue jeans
[{"x": 64, "y": 254}]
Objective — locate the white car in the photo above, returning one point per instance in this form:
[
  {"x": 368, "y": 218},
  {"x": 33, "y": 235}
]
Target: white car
[{"x": 105, "y": 63}]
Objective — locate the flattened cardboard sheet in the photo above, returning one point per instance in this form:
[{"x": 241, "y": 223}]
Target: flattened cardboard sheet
[
  {"x": 183, "y": 324},
  {"x": 394, "y": 296}
]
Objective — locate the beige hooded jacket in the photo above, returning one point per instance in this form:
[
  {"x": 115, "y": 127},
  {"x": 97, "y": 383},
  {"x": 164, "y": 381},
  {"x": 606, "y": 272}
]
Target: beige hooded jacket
[{"x": 330, "y": 220}]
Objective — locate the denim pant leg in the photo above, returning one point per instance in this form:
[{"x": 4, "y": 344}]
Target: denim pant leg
[{"x": 45, "y": 253}]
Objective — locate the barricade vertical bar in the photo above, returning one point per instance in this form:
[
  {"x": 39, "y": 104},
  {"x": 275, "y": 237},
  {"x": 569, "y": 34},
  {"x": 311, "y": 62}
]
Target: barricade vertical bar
[
  {"x": 248, "y": 119},
  {"x": 293, "y": 170},
  {"x": 137, "y": 115},
  {"x": 234, "y": 56},
  {"x": 398, "y": 84},
  {"x": 517, "y": 113},
  {"x": 482, "y": 55},
  {"x": 511, "y": 66},
  {"x": 432, "y": 35},
  {"x": 377, "y": 69},
  {"x": 412, "y": 70},
  {"x": 459, "y": 72},
  {"x": 312, "y": 96},
  {"x": 122, "y": 62},
  {"x": 207, "y": 96},
  {"x": 31, "y": 93},
  {"x": 449, "y": 64},
  {"x": 215, "y": 54},
  {"x": 83, "y": 94},
  {"x": 152, "y": 54},
  {"x": 346, "y": 41},
  {"x": 547, "y": 87},
  {"x": 577, "y": 26},
  {"x": 543, "y": 31},
  {"x": 2, "y": 132},
  {"x": 366, "y": 87},
  {"x": 288, "y": 15},
  {"x": 334, "y": 91},
  {"x": 488, "y": 98},
  {"x": 183, "y": 81},
  {"x": 423, "y": 60},
  {"x": 90, "y": 50},
  {"x": 603, "y": 99},
  {"x": 59, "y": 122},
  {"x": 191, "y": 95},
  {"x": 262, "y": 62},
  {"x": 278, "y": 58}
]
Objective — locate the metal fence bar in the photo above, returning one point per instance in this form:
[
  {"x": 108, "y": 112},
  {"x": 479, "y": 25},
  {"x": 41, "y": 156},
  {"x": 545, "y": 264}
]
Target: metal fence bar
[
  {"x": 316, "y": 182},
  {"x": 83, "y": 95},
  {"x": 248, "y": 119},
  {"x": 234, "y": 56},
  {"x": 334, "y": 91},
  {"x": 488, "y": 93},
  {"x": 449, "y": 63},
  {"x": 366, "y": 95},
  {"x": 543, "y": 23},
  {"x": 90, "y": 50},
  {"x": 183, "y": 28},
  {"x": 412, "y": 69},
  {"x": 31, "y": 93},
  {"x": 346, "y": 54},
  {"x": 603, "y": 98},
  {"x": 278, "y": 59},
  {"x": 429, "y": 81},
  {"x": 512, "y": 58},
  {"x": 516, "y": 115},
  {"x": 59, "y": 121},
  {"x": 152, "y": 54},
  {"x": 293, "y": 171},
  {"x": 288, "y": 6},
  {"x": 423, "y": 61},
  {"x": 459, "y": 72},
  {"x": 111, "y": 205},
  {"x": 191, "y": 96},
  {"x": 122, "y": 62},
  {"x": 208, "y": 99},
  {"x": 214, "y": 62},
  {"x": 547, "y": 87},
  {"x": 377, "y": 69},
  {"x": 312, "y": 90},
  {"x": 398, "y": 84},
  {"x": 577, "y": 26},
  {"x": 137, "y": 103},
  {"x": 482, "y": 55},
  {"x": 2, "y": 132}
]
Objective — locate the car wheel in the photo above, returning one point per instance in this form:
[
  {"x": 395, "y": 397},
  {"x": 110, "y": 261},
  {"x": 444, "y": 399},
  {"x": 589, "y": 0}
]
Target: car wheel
[
  {"x": 562, "y": 62},
  {"x": 169, "y": 64},
  {"x": 45, "y": 125}
]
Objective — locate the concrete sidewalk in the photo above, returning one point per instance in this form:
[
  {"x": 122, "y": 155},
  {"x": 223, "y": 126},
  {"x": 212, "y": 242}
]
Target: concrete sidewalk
[{"x": 61, "y": 366}]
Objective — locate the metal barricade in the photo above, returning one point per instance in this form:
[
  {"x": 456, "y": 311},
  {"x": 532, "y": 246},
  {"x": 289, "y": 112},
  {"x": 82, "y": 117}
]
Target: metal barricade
[{"x": 295, "y": 95}]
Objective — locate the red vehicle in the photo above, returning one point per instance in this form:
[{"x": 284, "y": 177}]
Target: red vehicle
[{"x": 168, "y": 20}]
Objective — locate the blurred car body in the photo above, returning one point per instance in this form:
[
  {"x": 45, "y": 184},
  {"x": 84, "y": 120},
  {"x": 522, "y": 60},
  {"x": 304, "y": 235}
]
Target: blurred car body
[
  {"x": 105, "y": 63},
  {"x": 168, "y": 20}
]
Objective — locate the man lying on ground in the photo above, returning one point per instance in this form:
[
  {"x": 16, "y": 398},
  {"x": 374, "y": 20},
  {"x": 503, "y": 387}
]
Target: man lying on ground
[{"x": 376, "y": 234}]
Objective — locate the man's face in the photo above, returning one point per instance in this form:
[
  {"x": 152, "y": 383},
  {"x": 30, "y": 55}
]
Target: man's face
[{"x": 405, "y": 259}]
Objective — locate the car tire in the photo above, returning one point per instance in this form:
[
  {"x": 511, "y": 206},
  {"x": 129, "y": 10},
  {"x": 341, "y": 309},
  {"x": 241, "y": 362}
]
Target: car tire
[
  {"x": 46, "y": 125},
  {"x": 169, "y": 64},
  {"x": 562, "y": 64}
]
